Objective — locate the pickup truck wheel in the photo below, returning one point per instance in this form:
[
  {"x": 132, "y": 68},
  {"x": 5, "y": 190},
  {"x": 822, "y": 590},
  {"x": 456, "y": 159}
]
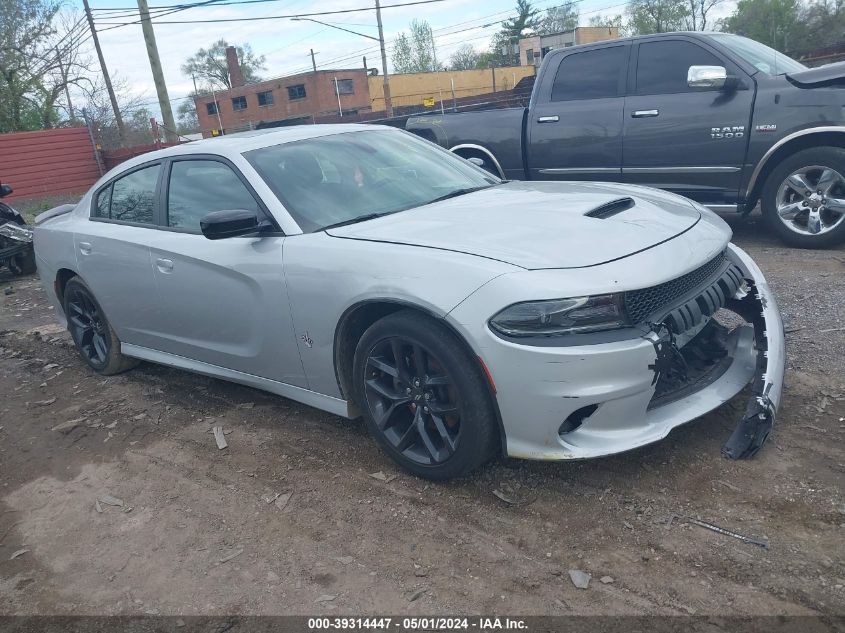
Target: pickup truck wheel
[
  {"x": 803, "y": 199},
  {"x": 423, "y": 397}
]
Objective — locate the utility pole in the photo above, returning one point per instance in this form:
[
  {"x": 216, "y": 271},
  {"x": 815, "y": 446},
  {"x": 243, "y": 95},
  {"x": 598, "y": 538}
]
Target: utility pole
[
  {"x": 313, "y": 61},
  {"x": 158, "y": 75},
  {"x": 121, "y": 131},
  {"x": 388, "y": 102}
]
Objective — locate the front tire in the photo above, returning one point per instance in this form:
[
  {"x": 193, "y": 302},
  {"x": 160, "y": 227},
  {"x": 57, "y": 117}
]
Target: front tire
[
  {"x": 803, "y": 199},
  {"x": 423, "y": 397},
  {"x": 93, "y": 335}
]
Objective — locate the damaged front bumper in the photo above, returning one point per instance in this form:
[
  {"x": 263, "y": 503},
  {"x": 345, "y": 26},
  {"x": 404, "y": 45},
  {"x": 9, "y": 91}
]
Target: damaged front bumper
[
  {"x": 759, "y": 308},
  {"x": 584, "y": 401}
]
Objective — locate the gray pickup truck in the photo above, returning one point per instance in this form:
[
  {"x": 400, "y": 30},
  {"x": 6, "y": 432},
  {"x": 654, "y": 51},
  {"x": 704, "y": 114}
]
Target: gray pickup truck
[{"x": 721, "y": 119}]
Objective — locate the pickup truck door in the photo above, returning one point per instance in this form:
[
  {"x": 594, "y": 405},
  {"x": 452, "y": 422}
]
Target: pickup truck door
[
  {"x": 691, "y": 141},
  {"x": 575, "y": 123}
]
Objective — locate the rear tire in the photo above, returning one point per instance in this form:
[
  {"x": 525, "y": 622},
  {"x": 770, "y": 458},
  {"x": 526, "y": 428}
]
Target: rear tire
[
  {"x": 423, "y": 397},
  {"x": 93, "y": 335},
  {"x": 807, "y": 217}
]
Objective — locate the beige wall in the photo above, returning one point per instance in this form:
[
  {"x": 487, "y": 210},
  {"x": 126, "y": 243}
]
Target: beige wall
[{"x": 412, "y": 88}]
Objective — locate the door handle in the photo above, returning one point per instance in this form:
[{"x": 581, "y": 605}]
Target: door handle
[
  {"x": 85, "y": 248},
  {"x": 642, "y": 114},
  {"x": 548, "y": 119},
  {"x": 164, "y": 265}
]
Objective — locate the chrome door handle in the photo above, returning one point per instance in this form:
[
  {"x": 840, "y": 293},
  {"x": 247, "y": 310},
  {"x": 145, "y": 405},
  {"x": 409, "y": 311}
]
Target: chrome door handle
[
  {"x": 164, "y": 265},
  {"x": 548, "y": 119},
  {"x": 641, "y": 114},
  {"x": 85, "y": 248}
]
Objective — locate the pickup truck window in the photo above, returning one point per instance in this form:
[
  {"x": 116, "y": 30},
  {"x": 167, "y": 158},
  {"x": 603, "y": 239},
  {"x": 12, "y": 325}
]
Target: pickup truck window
[
  {"x": 758, "y": 55},
  {"x": 590, "y": 75},
  {"x": 662, "y": 66}
]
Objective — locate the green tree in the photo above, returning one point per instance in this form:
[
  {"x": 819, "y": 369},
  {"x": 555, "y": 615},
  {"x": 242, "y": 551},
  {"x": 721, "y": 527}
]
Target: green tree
[
  {"x": 657, "y": 16},
  {"x": 415, "y": 52},
  {"x": 208, "y": 65},
  {"x": 558, "y": 19},
  {"x": 464, "y": 58},
  {"x": 504, "y": 44},
  {"x": 775, "y": 23}
]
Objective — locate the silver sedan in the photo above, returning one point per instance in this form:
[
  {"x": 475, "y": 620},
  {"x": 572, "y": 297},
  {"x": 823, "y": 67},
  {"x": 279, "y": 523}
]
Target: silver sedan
[{"x": 367, "y": 272}]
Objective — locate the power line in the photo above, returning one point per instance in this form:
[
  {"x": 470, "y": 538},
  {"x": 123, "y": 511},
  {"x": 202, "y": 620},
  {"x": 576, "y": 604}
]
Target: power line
[{"x": 277, "y": 17}]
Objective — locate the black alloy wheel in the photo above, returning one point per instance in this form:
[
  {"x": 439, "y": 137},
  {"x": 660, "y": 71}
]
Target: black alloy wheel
[
  {"x": 413, "y": 401},
  {"x": 88, "y": 327},
  {"x": 424, "y": 397},
  {"x": 91, "y": 332}
]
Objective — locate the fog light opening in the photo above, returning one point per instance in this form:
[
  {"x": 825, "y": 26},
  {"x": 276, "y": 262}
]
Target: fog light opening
[{"x": 576, "y": 419}]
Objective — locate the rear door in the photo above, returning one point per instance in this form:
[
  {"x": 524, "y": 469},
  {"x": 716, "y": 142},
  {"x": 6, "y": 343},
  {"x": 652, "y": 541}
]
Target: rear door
[
  {"x": 691, "y": 141},
  {"x": 113, "y": 252},
  {"x": 224, "y": 302},
  {"x": 575, "y": 122}
]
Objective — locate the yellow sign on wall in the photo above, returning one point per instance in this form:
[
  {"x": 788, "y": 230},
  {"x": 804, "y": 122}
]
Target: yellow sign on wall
[{"x": 428, "y": 102}]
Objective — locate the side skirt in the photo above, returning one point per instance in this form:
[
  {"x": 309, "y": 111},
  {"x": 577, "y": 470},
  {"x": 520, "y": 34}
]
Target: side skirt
[{"x": 305, "y": 396}]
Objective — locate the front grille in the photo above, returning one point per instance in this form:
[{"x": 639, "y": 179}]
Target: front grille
[{"x": 640, "y": 304}]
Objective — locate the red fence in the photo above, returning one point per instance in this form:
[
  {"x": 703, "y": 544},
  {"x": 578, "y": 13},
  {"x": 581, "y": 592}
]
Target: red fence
[
  {"x": 113, "y": 158},
  {"x": 49, "y": 162}
]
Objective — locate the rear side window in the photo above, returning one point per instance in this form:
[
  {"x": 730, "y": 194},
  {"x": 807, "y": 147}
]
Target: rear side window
[
  {"x": 662, "y": 67},
  {"x": 590, "y": 75},
  {"x": 198, "y": 187},
  {"x": 130, "y": 198}
]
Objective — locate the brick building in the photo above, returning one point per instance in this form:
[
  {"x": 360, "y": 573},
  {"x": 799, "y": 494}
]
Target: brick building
[
  {"x": 533, "y": 49},
  {"x": 302, "y": 95}
]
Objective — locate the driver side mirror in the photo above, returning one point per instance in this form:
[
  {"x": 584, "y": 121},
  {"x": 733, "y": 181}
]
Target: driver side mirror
[
  {"x": 708, "y": 77},
  {"x": 219, "y": 225},
  {"x": 5, "y": 190}
]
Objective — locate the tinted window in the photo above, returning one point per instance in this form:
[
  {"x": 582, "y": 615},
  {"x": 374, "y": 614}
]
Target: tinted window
[
  {"x": 101, "y": 210},
  {"x": 662, "y": 67},
  {"x": 265, "y": 98},
  {"x": 239, "y": 103},
  {"x": 590, "y": 75},
  {"x": 344, "y": 87},
  {"x": 198, "y": 187},
  {"x": 211, "y": 108},
  {"x": 133, "y": 196},
  {"x": 296, "y": 92}
]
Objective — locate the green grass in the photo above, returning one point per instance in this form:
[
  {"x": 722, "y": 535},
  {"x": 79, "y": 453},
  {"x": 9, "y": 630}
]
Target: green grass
[{"x": 33, "y": 206}]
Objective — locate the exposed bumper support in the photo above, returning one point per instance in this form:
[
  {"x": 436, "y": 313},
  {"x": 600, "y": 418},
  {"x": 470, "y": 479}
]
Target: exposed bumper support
[{"x": 760, "y": 309}]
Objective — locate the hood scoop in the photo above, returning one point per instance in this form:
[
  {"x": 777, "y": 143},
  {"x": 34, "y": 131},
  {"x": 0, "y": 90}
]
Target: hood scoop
[{"x": 609, "y": 209}]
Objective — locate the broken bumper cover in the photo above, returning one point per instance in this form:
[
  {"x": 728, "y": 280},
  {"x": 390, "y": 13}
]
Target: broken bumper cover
[
  {"x": 608, "y": 388},
  {"x": 761, "y": 310}
]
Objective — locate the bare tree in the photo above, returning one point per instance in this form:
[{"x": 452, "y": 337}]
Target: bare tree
[{"x": 464, "y": 58}]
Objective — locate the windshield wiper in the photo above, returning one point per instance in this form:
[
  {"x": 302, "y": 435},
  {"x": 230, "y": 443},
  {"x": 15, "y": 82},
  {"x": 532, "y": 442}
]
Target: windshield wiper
[
  {"x": 360, "y": 218},
  {"x": 459, "y": 192}
]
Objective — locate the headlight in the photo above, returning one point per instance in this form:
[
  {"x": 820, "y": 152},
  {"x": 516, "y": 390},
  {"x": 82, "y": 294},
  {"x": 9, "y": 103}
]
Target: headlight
[{"x": 561, "y": 316}]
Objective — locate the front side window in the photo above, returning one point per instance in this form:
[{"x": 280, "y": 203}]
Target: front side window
[
  {"x": 238, "y": 103},
  {"x": 662, "y": 67},
  {"x": 344, "y": 87},
  {"x": 198, "y": 187},
  {"x": 296, "y": 92},
  {"x": 130, "y": 198},
  {"x": 211, "y": 108},
  {"x": 590, "y": 75},
  {"x": 265, "y": 98},
  {"x": 342, "y": 177}
]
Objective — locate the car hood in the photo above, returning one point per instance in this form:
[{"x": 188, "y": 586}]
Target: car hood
[
  {"x": 828, "y": 75},
  {"x": 538, "y": 225}
]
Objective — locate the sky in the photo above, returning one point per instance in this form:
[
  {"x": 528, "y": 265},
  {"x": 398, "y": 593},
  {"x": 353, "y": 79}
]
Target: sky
[{"x": 286, "y": 43}]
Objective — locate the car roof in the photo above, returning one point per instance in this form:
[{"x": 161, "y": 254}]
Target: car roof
[{"x": 233, "y": 144}]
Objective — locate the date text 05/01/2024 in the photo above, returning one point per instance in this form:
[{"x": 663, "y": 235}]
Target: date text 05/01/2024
[{"x": 481, "y": 624}]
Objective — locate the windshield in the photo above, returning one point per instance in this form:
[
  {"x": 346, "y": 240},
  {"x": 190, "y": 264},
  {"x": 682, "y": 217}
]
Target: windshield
[
  {"x": 759, "y": 55},
  {"x": 342, "y": 178}
]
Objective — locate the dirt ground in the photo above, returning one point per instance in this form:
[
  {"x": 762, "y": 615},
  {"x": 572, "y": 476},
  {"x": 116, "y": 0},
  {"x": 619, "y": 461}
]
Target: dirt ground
[{"x": 197, "y": 535}]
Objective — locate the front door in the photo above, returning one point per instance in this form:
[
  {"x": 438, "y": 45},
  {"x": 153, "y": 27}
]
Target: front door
[
  {"x": 575, "y": 128},
  {"x": 691, "y": 141},
  {"x": 224, "y": 301}
]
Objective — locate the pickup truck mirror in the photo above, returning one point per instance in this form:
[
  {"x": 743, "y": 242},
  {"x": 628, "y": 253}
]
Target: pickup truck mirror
[{"x": 707, "y": 77}]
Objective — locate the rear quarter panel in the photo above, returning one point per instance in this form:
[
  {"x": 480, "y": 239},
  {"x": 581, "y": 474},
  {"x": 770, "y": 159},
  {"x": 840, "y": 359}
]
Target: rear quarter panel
[{"x": 54, "y": 250}]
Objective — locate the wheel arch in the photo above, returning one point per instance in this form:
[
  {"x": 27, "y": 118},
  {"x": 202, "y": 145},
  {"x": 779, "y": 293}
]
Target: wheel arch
[
  {"x": 63, "y": 275},
  {"x": 833, "y": 136},
  {"x": 358, "y": 317},
  {"x": 469, "y": 150}
]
